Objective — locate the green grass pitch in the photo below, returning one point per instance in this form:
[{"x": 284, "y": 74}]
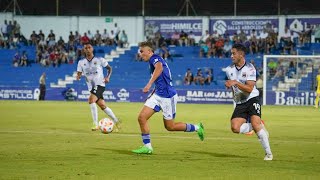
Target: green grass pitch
[{"x": 53, "y": 140}]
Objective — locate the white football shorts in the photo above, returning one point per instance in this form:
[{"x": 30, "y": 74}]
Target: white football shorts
[{"x": 167, "y": 105}]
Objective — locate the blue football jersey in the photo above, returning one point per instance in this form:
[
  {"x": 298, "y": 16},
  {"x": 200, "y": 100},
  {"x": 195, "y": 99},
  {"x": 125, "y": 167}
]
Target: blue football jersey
[{"x": 163, "y": 84}]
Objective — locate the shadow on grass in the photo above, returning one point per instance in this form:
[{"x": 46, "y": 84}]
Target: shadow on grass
[
  {"x": 217, "y": 154},
  {"x": 118, "y": 151}
]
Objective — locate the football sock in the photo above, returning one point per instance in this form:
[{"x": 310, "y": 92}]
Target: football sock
[
  {"x": 94, "y": 113},
  {"x": 146, "y": 140},
  {"x": 245, "y": 128},
  {"x": 191, "y": 128},
  {"x": 263, "y": 137},
  {"x": 317, "y": 101},
  {"x": 109, "y": 112}
]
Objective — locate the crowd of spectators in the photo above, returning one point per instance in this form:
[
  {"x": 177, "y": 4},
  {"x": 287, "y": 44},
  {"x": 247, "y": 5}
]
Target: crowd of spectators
[
  {"x": 267, "y": 41},
  {"x": 53, "y": 51},
  {"x": 202, "y": 77}
]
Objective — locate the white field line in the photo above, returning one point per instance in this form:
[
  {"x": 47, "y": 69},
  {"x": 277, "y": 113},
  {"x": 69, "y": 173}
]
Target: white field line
[{"x": 175, "y": 136}]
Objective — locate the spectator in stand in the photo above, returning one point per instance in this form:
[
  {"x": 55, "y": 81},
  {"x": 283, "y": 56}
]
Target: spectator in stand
[
  {"x": 90, "y": 36},
  {"x": 191, "y": 39},
  {"x": 4, "y": 29},
  {"x": 16, "y": 29},
  {"x": 53, "y": 57},
  {"x": 271, "y": 45},
  {"x": 85, "y": 39},
  {"x": 71, "y": 56},
  {"x": 24, "y": 59},
  {"x": 209, "y": 76},
  {"x": 175, "y": 38},
  {"x": 188, "y": 77},
  {"x": 306, "y": 34},
  {"x": 63, "y": 56},
  {"x": 79, "y": 53},
  {"x": 199, "y": 79},
  {"x": 16, "y": 59},
  {"x": 158, "y": 39},
  {"x": 204, "y": 37},
  {"x": 204, "y": 48},
  {"x": 288, "y": 47},
  {"x": 183, "y": 40},
  {"x": 112, "y": 39},
  {"x": 227, "y": 48},
  {"x": 262, "y": 44},
  {"x": 71, "y": 37},
  {"x": 15, "y": 41},
  {"x": 296, "y": 33},
  {"x": 264, "y": 34},
  {"x": 219, "y": 46},
  {"x": 34, "y": 38},
  {"x": 77, "y": 38},
  {"x": 41, "y": 35},
  {"x": 167, "y": 38},
  {"x": 235, "y": 38},
  {"x": 23, "y": 40},
  {"x": 60, "y": 41},
  {"x": 285, "y": 38},
  {"x": 104, "y": 36},
  {"x": 165, "y": 52},
  {"x": 51, "y": 36},
  {"x": 123, "y": 41},
  {"x": 253, "y": 33},
  {"x": 242, "y": 36},
  {"x": 42, "y": 42},
  {"x": 45, "y": 61},
  {"x": 10, "y": 29},
  {"x": 116, "y": 31},
  {"x": 97, "y": 38},
  {"x": 253, "y": 47},
  {"x": 215, "y": 35},
  {"x": 51, "y": 42}
]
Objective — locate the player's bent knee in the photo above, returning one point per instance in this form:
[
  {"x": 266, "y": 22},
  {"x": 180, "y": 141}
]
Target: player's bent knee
[
  {"x": 235, "y": 129},
  {"x": 170, "y": 127}
]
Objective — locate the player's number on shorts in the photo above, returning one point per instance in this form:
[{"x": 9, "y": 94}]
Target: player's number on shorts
[
  {"x": 95, "y": 89},
  {"x": 257, "y": 107}
]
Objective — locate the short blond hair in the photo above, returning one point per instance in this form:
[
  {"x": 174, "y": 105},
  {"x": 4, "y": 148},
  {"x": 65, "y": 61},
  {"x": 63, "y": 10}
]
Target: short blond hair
[{"x": 146, "y": 44}]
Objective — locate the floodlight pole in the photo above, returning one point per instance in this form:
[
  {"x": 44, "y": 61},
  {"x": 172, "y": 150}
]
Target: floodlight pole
[
  {"x": 186, "y": 4},
  {"x": 15, "y": 5}
]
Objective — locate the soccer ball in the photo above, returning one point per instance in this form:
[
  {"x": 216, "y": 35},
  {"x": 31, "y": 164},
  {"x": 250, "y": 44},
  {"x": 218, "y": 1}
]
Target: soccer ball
[{"x": 106, "y": 125}]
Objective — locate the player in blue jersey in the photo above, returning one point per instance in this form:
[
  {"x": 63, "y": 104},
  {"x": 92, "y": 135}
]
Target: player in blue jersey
[{"x": 163, "y": 98}]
